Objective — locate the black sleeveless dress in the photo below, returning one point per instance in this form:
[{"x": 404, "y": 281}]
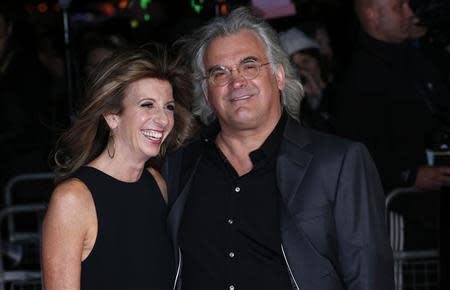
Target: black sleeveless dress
[{"x": 132, "y": 250}]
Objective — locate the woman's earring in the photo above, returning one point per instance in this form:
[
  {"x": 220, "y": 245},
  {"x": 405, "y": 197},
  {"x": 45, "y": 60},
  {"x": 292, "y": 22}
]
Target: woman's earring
[{"x": 111, "y": 154}]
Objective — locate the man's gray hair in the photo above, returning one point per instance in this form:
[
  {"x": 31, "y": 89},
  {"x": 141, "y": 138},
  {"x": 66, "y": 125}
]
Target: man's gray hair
[{"x": 238, "y": 20}]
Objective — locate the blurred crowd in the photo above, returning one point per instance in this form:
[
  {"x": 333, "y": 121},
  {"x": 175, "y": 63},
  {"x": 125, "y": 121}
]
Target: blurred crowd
[{"x": 376, "y": 71}]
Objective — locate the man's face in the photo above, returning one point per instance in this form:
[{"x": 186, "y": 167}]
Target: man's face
[
  {"x": 394, "y": 20},
  {"x": 244, "y": 104}
]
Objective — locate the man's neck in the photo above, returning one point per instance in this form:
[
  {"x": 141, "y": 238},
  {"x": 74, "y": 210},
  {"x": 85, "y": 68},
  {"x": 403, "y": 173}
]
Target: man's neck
[{"x": 237, "y": 145}]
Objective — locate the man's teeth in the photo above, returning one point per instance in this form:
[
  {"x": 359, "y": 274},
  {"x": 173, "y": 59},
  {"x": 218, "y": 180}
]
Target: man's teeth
[{"x": 152, "y": 134}]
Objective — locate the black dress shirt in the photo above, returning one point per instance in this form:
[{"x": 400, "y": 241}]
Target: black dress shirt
[{"x": 230, "y": 231}]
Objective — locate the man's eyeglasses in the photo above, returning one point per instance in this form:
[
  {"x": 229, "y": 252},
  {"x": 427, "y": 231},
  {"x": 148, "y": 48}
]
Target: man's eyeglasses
[{"x": 222, "y": 75}]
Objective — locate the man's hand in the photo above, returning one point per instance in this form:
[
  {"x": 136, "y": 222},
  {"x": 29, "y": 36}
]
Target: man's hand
[{"x": 432, "y": 177}]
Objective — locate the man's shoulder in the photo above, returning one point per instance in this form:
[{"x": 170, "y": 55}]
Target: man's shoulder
[
  {"x": 321, "y": 145},
  {"x": 324, "y": 142},
  {"x": 302, "y": 135}
]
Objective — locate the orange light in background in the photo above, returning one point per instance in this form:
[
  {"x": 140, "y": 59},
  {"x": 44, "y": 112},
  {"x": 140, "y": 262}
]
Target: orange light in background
[
  {"x": 123, "y": 4},
  {"x": 223, "y": 9},
  {"x": 108, "y": 9},
  {"x": 42, "y": 7}
]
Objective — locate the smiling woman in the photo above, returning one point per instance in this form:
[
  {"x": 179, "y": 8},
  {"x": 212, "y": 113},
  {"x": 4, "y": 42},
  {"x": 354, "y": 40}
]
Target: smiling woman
[{"x": 106, "y": 195}]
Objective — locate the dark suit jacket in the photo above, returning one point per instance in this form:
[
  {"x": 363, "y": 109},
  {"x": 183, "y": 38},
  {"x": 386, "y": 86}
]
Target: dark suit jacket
[
  {"x": 392, "y": 99},
  {"x": 332, "y": 210}
]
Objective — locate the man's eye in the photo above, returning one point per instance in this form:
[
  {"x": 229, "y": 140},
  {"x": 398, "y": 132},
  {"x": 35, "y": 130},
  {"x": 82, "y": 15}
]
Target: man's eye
[
  {"x": 250, "y": 66},
  {"x": 218, "y": 73}
]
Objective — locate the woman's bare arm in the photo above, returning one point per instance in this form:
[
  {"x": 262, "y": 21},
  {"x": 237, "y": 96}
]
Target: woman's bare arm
[{"x": 68, "y": 235}]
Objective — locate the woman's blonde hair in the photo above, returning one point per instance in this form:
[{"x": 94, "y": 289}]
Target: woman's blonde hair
[{"x": 89, "y": 133}]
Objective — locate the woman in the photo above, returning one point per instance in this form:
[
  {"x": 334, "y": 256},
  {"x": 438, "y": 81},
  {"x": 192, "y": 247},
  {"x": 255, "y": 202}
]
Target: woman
[
  {"x": 312, "y": 70},
  {"x": 105, "y": 225}
]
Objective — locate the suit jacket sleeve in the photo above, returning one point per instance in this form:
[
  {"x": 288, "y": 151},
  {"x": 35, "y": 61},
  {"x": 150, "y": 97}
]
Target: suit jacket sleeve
[{"x": 364, "y": 253}]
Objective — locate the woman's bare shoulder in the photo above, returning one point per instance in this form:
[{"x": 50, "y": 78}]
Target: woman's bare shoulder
[
  {"x": 71, "y": 197},
  {"x": 71, "y": 191}
]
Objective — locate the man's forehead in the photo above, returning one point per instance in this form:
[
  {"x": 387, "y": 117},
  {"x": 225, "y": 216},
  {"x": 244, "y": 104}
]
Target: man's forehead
[{"x": 236, "y": 46}]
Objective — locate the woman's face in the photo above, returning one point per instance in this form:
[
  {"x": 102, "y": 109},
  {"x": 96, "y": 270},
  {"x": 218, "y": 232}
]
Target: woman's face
[
  {"x": 307, "y": 62},
  {"x": 146, "y": 119}
]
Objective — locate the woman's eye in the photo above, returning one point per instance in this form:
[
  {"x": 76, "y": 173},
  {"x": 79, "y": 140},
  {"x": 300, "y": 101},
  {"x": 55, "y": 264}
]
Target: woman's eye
[
  {"x": 147, "y": 105},
  {"x": 171, "y": 107}
]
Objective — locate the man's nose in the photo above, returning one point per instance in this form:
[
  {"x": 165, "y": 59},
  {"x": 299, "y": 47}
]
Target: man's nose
[{"x": 237, "y": 78}]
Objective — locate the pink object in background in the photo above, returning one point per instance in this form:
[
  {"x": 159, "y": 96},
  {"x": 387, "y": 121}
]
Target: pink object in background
[{"x": 275, "y": 9}]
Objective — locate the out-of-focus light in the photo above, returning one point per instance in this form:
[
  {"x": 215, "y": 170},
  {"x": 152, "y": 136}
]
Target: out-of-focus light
[
  {"x": 123, "y": 4},
  {"x": 197, "y": 5},
  {"x": 147, "y": 17},
  {"x": 108, "y": 9},
  {"x": 134, "y": 23},
  {"x": 223, "y": 10},
  {"x": 144, "y": 3},
  {"x": 56, "y": 8},
  {"x": 42, "y": 7}
]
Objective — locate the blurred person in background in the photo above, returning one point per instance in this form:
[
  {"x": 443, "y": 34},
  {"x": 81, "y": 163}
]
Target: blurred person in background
[
  {"x": 312, "y": 70},
  {"x": 392, "y": 98},
  {"x": 98, "y": 46},
  {"x": 24, "y": 96}
]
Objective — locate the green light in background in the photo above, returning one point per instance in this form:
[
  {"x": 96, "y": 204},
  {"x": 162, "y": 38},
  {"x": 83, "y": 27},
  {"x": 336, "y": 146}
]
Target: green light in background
[
  {"x": 197, "y": 7},
  {"x": 144, "y": 3},
  {"x": 147, "y": 17}
]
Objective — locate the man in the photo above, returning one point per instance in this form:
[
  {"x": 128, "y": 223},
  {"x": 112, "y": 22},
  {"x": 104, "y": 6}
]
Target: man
[
  {"x": 392, "y": 99},
  {"x": 264, "y": 203}
]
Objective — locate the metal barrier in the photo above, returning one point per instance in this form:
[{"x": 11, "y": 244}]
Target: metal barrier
[
  {"x": 9, "y": 192},
  {"x": 22, "y": 248},
  {"x": 25, "y": 198},
  {"x": 417, "y": 268}
]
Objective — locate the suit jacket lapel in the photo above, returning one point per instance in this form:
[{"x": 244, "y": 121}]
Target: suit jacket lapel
[
  {"x": 292, "y": 164},
  {"x": 293, "y": 160},
  {"x": 184, "y": 171}
]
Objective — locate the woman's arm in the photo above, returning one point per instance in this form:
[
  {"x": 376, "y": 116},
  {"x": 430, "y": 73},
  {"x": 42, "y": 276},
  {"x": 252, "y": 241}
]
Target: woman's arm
[{"x": 69, "y": 231}]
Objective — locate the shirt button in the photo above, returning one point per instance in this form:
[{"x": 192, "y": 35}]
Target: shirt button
[
  {"x": 230, "y": 221},
  {"x": 237, "y": 189},
  {"x": 231, "y": 254},
  {"x": 231, "y": 287}
]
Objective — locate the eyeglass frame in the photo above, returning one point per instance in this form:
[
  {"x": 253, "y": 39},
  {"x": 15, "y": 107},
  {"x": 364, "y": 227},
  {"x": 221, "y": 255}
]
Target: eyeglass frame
[{"x": 230, "y": 71}]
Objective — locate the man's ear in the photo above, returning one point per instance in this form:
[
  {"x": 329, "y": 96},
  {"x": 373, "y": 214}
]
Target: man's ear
[
  {"x": 280, "y": 76},
  {"x": 112, "y": 120}
]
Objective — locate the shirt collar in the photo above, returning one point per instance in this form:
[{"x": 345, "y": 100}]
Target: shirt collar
[{"x": 269, "y": 148}]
